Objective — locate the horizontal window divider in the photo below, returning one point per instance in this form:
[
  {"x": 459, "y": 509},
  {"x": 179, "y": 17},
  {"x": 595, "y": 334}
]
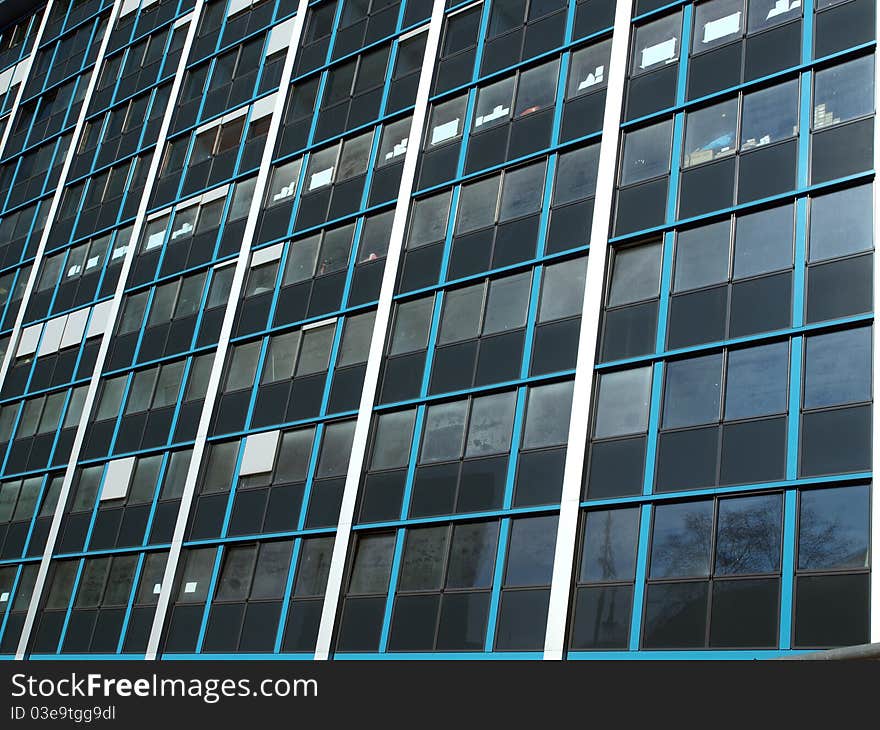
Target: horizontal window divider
[
  {"x": 781, "y": 334},
  {"x": 521, "y": 265},
  {"x": 288, "y": 426},
  {"x": 164, "y": 25},
  {"x": 397, "y": 35},
  {"x": 308, "y": 532},
  {"x": 743, "y": 207},
  {"x": 305, "y": 324},
  {"x": 685, "y": 494},
  {"x": 748, "y": 85},
  {"x": 122, "y": 100},
  {"x": 507, "y": 164},
  {"x": 572, "y": 46},
  {"x": 353, "y": 132},
  {"x": 659, "y": 11},
  {"x": 478, "y": 390},
  {"x": 458, "y": 517}
]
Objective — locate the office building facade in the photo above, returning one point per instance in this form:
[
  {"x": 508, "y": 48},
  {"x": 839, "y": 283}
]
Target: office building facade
[{"x": 302, "y": 354}]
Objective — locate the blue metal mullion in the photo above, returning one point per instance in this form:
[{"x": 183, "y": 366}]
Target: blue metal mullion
[
  {"x": 233, "y": 488},
  {"x": 531, "y": 321},
  {"x": 255, "y": 386},
  {"x": 653, "y": 428},
  {"x": 684, "y": 53},
  {"x": 126, "y": 391},
  {"x": 804, "y": 127},
  {"x": 674, "y": 168},
  {"x": 392, "y": 589},
  {"x": 70, "y": 600},
  {"x": 95, "y": 508},
  {"x": 310, "y": 476},
  {"x": 135, "y": 582},
  {"x": 432, "y": 342},
  {"x": 218, "y": 559},
  {"x": 33, "y": 520},
  {"x": 157, "y": 491},
  {"x": 418, "y": 427},
  {"x": 800, "y": 263},
  {"x": 12, "y": 433},
  {"x": 497, "y": 582},
  {"x": 807, "y": 33},
  {"x": 353, "y": 258},
  {"x": 331, "y": 365},
  {"x": 641, "y": 574},
  {"x": 515, "y": 441},
  {"x": 288, "y": 592},
  {"x": 544, "y": 219},
  {"x": 794, "y": 407},
  {"x": 450, "y": 232},
  {"x": 337, "y": 17},
  {"x": 786, "y": 589},
  {"x": 181, "y": 393}
]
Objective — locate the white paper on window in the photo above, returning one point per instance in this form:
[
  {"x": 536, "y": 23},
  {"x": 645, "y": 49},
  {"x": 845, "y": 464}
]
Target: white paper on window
[
  {"x": 728, "y": 25},
  {"x": 658, "y": 53},
  {"x": 596, "y": 76},
  {"x": 442, "y": 132}
]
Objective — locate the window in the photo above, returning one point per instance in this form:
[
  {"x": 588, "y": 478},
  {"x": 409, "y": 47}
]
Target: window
[
  {"x": 646, "y": 153},
  {"x": 630, "y": 321},
  {"x": 836, "y": 420},
  {"x": 364, "y": 604},
  {"x": 353, "y": 93},
  {"x": 463, "y": 457},
  {"x": 755, "y": 390},
  {"x": 657, "y": 42},
  {"x": 841, "y": 94},
  {"x": 247, "y": 600},
  {"x": 831, "y": 596},
  {"x": 306, "y": 603},
  {"x": 619, "y": 426},
  {"x": 513, "y": 117},
  {"x": 571, "y": 212},
  {"x": 542, "y": 452},
  {"x": 559, "y": 310},
  {"x": 481, "y": 334},
  {"x": 711, "y": 561},
  {"x": 712, "y": 301},
  {"x": 606, "y": 572},
  {"x": 840, "y": 265},
  {"x": 382, "y": 491},
  {"x": 443, "y": 592}
]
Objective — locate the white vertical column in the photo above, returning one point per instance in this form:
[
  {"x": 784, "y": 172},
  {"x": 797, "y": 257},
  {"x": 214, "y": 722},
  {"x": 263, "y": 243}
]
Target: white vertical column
[
  {"x": 241, "y": 268},
  {"x": 377, "y": 343},
  {"x": 875, "y": 363},
  {"x": 26, "y": 65},
  {"x": 578, "y": 428},
  {"x": 115, "y": 303}
]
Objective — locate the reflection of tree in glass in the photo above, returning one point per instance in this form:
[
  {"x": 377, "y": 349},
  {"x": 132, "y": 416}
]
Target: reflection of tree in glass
[
  {"x": 748, "y": 540},
  {"x": 684, "y": 551},
  {"x": 826, "y": 541}
]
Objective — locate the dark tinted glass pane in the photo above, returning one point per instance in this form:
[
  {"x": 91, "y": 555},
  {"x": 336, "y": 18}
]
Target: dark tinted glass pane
[
  {"x": 530, "y": 553},
  {"x": 601, "y": 618},
  {"x": 831, "y": 610},
  {"x": 610, "y": 542},
  {"x": 675, "y": 615},
  {"x": 681, "y": 540},
  {"x": 744, "y": 613},
  {"x": 522, "y": 620},
  {"x": 833, "y": 528},
  {"x": 749, "y": 535}
]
